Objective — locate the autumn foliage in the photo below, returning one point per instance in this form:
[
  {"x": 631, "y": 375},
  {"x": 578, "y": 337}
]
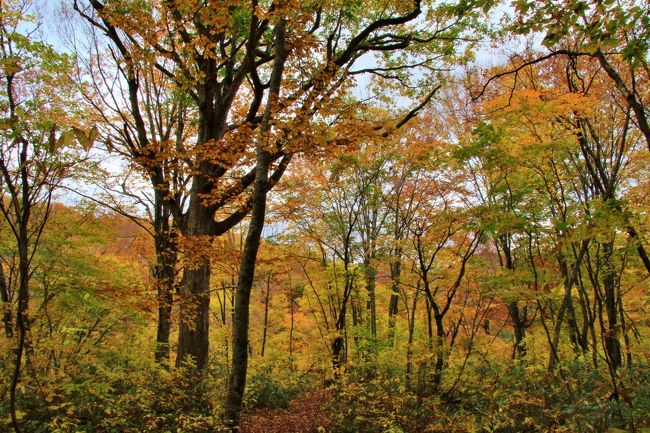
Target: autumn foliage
[{"x": 304, "y": 216}]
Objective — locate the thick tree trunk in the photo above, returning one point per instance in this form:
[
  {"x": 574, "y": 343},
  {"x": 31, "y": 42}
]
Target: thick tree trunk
[
  {"x": 164, "y": 271},
  {"x": 165, "y": 300},
  {"x": 195, "y": 305},
  {"x": 338, "y": 354},
  {"x": 193, "y": 343},
  {"x": 165, "y": 282}
]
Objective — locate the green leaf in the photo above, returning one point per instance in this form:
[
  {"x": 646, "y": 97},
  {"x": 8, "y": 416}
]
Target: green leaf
[{"x": 65, "y": 140}]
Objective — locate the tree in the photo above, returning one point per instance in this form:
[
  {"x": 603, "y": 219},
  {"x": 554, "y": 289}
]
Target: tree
[
  {"x": 565, "y": 121},
  {"x": 612, "y": 34},
  {"x": 146, "y": 120},
  {"x": 221, "y": 57},
  {"x": 40, "y": 142}
]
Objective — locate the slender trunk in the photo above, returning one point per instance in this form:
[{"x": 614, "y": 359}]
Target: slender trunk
[
  {"x": 569, "y": 281},
  {"x": 519, "y": 326},
  {"x": 393, "y": 306},
  {"x": 266, "y": 314},
  {"x": 626, "y": 338},
  {"x": 440, "y": 351},
  {"x": 237, "y": 379},
  {"x": 23, "y": 311},
  {"x": 338, "y": 344},
  {"x": 393, "y": 310},
  {"x": 630, "y": 96},
  {"x": 409, "y": 347},
  {"x": 612, "y": 344},
  {"x": 241, "y": 318},
  {"x": 7, "y": 316},
  {"x": 371, "y": 277},
  {"x": 518, "y": 322},
  {"x": 291, "y": 325},
  {"x": 639, "y": 247},
  {"x": 587, "y": 318},
  {"x": 429, "y": 325},
  {"x": 357, "y": 313}
]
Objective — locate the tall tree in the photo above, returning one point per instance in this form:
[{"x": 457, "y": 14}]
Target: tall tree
[
  {"x": 40, "y": 142},
  {"x": 146, "y": 120},
  {"x": 223, "y": 56}
]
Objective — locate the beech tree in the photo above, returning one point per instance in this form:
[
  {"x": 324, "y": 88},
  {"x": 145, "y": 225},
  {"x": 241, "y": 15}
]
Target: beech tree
[{"x": 145, "y": 120}]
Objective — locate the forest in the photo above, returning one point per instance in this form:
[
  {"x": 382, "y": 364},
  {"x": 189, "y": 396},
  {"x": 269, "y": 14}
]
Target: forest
[{"x": 327, "y": 216}]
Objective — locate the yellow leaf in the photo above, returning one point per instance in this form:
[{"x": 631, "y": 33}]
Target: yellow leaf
[
  {"x": 6, "y": 124},
  {"x": 109, "y": 145},
  {"x": 92, "y": 135},
  {"x": 82, "y": 138},
  {"x": 11, "y": 67}
]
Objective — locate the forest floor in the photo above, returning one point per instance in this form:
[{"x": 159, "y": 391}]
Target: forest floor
[{"x": 306, "y": 413}]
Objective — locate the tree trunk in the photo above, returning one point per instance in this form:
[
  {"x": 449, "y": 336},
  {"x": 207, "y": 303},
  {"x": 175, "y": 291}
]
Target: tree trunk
[
  {"x": 164, "y": 279},
  {"x": 195, "y": 286},
  {"x": 267, "y": 297},
  {"x": 338, "y": 344},
  {"x": 195, "y": 305},
  {"x": 612, "y": 344},
  {"x": 393, "y": 310},
  {"x": 291, "y": 312},
  {"x": 393, "y": 306},
  {"x": 23, "y": 306},
  {"x": 409, "y": 347},
  {"x": 519, "y": 326},
  {"x": 440, "y": 351},
  {"x": 237, "y": 380},
  {"x": 371, "y": 277},
  {"x": 567, "y": 305},
  {"x": 7, "y": 317},
  {"x": 518, "y": 322}
]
